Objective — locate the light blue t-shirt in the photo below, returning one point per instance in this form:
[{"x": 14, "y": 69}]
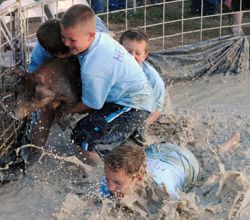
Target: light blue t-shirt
[
  {"x": 157, "y": 84},
  {"x": 40, "y": 55},
  {"x": 171, "y": 166},
  {"x": 110, "y": 74}
]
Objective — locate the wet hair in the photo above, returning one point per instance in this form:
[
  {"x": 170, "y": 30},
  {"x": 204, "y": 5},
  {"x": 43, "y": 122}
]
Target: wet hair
[
  {"x": 130, "y": 158},
  {"x": 77, "y": 14},
  {"x": 49, "y": 36},
  {"x": 134, "y": 35}
]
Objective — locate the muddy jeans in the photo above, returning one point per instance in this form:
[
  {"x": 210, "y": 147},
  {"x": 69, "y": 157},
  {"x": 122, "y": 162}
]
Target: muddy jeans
[{"x": 104, "y": 129}]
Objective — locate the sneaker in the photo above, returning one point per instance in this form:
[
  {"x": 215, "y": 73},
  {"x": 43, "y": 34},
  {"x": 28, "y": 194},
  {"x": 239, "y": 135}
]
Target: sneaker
[
  {"x": 138, "y": 139},
  {"x": 237, "y": 30},
  {"x": 140, "y": 135}
]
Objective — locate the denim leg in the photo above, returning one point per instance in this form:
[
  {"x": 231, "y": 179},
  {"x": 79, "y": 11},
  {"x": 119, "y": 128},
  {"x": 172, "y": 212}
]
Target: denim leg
[
  {"x": 97, "y": 5},
  {"x": 116, "y": 4}
]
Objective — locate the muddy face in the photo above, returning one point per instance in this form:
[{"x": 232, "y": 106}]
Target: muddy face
[{"x": 56, "y": 83}]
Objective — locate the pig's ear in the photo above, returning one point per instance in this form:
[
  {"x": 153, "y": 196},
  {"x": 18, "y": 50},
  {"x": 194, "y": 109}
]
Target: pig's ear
[{"x": 21, "y": 72}]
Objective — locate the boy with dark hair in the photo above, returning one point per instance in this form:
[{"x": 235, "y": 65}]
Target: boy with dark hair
[
  {"x": 115, "y": 91},
  {"x": 49, "y": 37},
  {"x": 171, "y": 167},
  {"x": 137, "y": 44},
  {"x": 139, "y": 36},
  {"x": 50, "y": 42}
]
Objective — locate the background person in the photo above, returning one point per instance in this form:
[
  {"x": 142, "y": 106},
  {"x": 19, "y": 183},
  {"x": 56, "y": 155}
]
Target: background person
[
  {"x": 136, "y": 43},
  {"x": 97, "y": 5},
  {"x": 236, "y": 6}
]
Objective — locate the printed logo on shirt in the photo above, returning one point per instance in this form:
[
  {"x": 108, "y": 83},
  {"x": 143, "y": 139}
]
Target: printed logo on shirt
[{"x": 119, "y": 53}]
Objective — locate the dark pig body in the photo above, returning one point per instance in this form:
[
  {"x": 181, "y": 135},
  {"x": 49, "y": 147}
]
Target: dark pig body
[
  {"x": 55, "y": 88},
  {"x": 57, "y": 83}
]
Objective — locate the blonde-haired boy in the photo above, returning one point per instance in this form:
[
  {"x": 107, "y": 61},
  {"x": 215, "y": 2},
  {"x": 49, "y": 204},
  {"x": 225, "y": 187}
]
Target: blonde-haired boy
[
  {"x": 136, "y": 43},
  {"x": 115, "y": 91}
]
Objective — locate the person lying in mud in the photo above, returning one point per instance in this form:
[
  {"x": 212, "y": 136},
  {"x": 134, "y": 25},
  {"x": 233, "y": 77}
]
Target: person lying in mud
[
  {"x": 137, "y": 44},
  {"x": 131, "y": 170}
]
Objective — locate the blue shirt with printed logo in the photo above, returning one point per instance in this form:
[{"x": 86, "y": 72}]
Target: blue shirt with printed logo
[
  {"x": 110, "y": 74},
  {"x": 171, "y": 166}
]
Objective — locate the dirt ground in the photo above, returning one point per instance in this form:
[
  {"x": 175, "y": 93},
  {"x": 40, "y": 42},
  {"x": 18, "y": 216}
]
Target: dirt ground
[{"x": 200, "y": 115}]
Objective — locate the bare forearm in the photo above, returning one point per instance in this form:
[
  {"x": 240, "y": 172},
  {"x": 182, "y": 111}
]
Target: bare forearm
[
  {"x": 153, "y": 117},
  {"x": 80, "y": 108}
]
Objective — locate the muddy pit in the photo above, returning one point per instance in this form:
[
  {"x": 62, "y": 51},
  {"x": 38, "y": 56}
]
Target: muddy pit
[{"x": 200, "y": 115}]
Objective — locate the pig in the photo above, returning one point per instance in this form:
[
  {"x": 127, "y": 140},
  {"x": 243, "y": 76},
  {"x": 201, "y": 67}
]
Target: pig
[
  {"x": 55, "y": 87},
  {"x": 57, "y": 83}
]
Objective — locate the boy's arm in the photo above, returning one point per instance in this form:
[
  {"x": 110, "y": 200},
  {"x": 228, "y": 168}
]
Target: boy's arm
[
  {"x": 80, "y": 108},
  {"x": 153, "y": 117},
  {"x": 38, "y": 57}
]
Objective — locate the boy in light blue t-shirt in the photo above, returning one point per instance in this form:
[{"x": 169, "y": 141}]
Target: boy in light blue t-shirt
[
  {"x": 128, "y": 169},
  {"x": 136, "y": 43},
  {"x": 115, "y": 91}
]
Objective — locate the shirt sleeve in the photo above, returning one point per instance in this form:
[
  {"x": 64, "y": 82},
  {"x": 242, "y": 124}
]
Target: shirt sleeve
[
  {"x": 157, "y": 84},
  {"x": 103, "y": 189},
  {"x": 160, "y": 94},
  {"x": 38, "y": 56},
  {"x": 100, "y": 26}
]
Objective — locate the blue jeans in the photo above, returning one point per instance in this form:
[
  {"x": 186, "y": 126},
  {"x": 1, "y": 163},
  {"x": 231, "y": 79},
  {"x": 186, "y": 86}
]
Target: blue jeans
[
  {"x": 104, "y": 129},
  {"x": 116, "y": 4},
  {"x": 97, "y": 5}
]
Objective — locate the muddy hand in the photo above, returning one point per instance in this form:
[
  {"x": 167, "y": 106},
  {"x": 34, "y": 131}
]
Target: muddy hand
[{"x": 231, "y": 143}]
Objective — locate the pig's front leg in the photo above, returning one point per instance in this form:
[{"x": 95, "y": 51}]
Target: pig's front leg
[
  {"x": 25, "y": 108},
  {"x": 41, "y": 130}
]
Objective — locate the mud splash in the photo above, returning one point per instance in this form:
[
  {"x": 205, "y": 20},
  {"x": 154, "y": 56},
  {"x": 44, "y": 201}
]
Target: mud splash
[{"x": 204, "y": 115}]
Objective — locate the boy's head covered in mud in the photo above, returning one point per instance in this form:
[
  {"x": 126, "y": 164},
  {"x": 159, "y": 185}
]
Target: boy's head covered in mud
[
  {"x": 49, "y": 36},
  {"x": 78, "y": 26},
  {"x": 124, "y": 169},
  {"x": 136, "y": 43}
]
